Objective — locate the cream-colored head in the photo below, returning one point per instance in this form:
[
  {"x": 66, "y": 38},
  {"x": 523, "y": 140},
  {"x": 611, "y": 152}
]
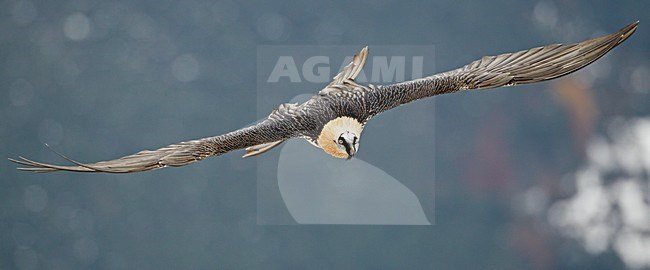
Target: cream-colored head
[{"x": 340, "y": 137}]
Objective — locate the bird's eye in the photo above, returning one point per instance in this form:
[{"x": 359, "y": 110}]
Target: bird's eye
[{"x": 341, "y": 141}]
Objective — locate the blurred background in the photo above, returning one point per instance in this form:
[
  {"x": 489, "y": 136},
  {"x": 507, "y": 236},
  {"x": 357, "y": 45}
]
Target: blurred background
[{"x": 550, "y": 175}]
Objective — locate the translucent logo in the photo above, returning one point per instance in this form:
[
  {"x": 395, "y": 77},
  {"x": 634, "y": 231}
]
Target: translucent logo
[
  {"x": 388, "y": 182},
  {"x": 318, "y": 69}
]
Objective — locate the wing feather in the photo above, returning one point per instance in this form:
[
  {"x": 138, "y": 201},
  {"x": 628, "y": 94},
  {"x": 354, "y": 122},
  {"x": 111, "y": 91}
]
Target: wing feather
[
  {"x": 279, "y": 126},
  {"x": 349, "y": 72},
  {"x": 528, "y": 66}
]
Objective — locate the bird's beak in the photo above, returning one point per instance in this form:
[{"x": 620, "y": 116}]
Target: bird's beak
[
  {"x": 353, "y": 150},
  {"x": 350, "y": 143}
]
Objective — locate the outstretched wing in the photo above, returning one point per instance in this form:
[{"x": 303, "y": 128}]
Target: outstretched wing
[
  {"x": 529, "y": 66},
  {"x": 279, "y": 126}
]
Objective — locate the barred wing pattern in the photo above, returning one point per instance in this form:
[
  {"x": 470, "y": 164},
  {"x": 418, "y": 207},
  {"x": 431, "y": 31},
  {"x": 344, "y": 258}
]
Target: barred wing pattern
[
  {"x": 278, "y": 126},
  {"x": 529, "y": 66}
]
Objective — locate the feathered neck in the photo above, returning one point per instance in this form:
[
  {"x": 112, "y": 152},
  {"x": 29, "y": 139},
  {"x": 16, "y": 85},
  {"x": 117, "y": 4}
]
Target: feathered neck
[{"x": 331, "y": 132}]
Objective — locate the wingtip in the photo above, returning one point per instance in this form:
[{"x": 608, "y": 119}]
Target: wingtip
[
  {"x": 627, "y": 31},
  {"x": 14, "y": 161},
  {"x": 363, "y": 51},
  {"x": 22, "y": 162},
  {"x": 629, "y": 26},
  {"x": 634, "y": 25}
]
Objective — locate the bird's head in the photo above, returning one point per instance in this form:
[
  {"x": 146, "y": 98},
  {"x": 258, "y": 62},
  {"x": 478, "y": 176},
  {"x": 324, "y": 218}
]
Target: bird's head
[
  {"x": 340, "y": 137},
  {"x": 348, "y": 143}
]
